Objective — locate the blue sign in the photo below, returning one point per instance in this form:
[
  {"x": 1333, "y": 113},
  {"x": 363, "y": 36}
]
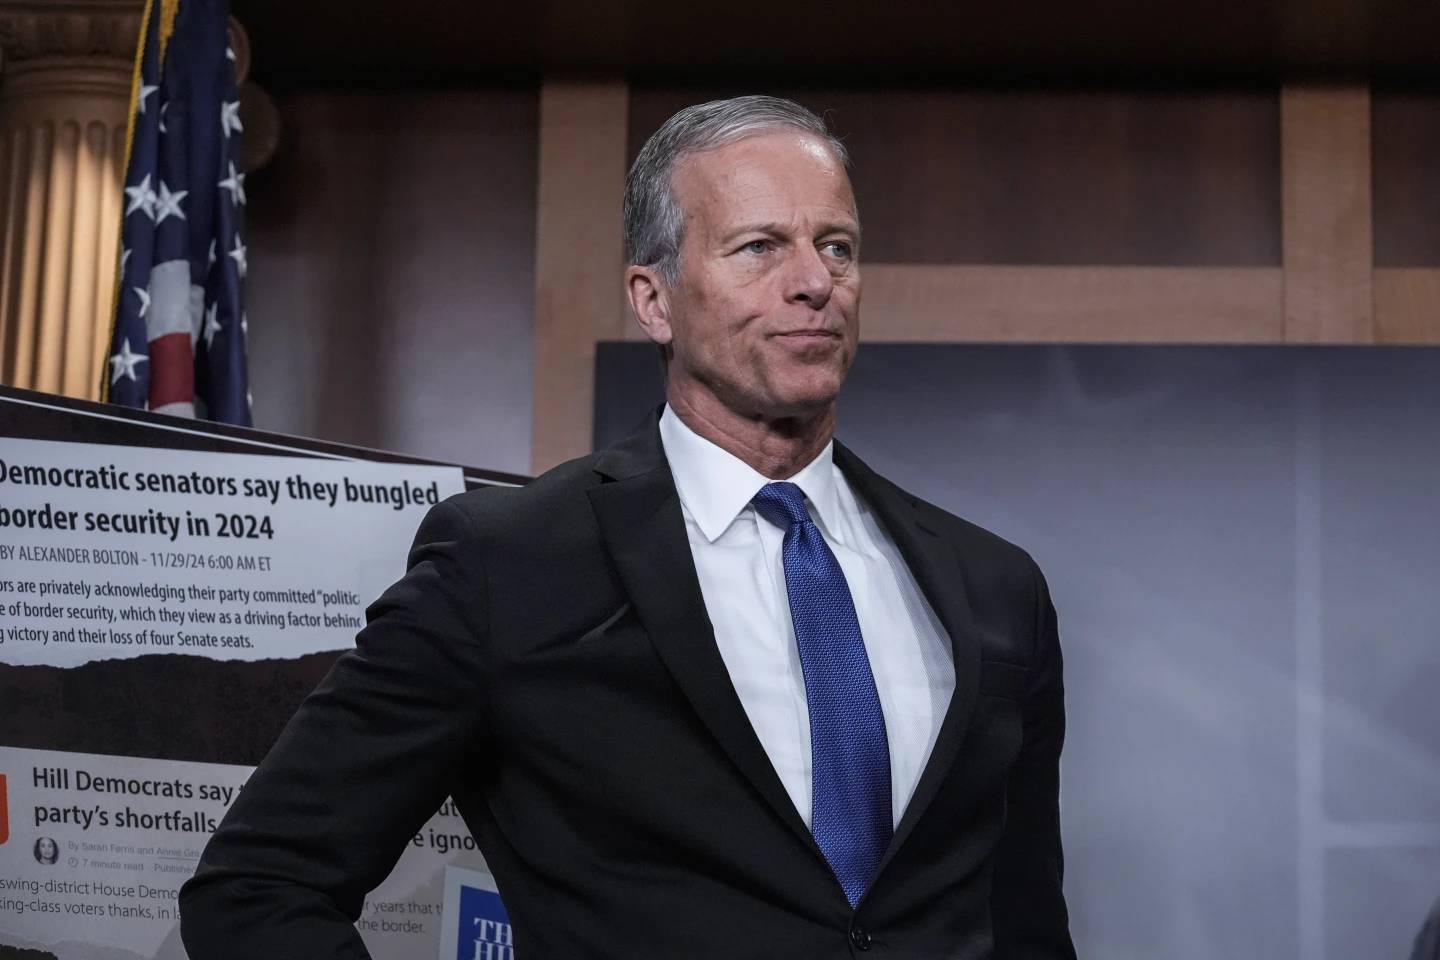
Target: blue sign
[{"x": 484, "y": 926}]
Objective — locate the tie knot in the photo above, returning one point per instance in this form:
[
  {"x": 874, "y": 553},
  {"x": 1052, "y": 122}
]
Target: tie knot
[{"x": 782, "y": 503}]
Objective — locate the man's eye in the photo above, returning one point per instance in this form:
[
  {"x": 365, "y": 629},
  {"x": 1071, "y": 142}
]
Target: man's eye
[
  {"x": 837, "y": 248},
  {"x": 757, "y": 246}
]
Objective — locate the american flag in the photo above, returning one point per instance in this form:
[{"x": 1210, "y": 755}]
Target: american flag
[{"x": 180, "y": 330}]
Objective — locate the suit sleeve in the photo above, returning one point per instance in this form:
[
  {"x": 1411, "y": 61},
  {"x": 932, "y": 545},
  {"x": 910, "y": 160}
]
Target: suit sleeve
[
  {"x": 367, "y": 759},
  {"x": 1027, "y": 901}
]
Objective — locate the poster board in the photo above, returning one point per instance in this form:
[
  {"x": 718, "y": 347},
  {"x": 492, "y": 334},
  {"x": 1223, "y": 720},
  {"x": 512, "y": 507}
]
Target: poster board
[{"x": 169, "y": 592}]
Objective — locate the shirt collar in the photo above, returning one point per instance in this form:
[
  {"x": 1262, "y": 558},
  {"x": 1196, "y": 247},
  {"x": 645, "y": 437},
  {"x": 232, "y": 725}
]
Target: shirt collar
[{"x": 715, "y": 485}]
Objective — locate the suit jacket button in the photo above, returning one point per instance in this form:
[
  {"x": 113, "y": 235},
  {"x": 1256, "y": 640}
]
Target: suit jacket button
[{"x": 860, "y": 938}]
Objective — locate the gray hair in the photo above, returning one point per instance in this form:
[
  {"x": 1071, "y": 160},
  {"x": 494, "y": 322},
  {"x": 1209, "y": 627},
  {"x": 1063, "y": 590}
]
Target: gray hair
[{"x": 654, "y": 222}]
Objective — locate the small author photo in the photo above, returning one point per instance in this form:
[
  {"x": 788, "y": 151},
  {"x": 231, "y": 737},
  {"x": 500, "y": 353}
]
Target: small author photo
[{"x": 46, "y": 850}]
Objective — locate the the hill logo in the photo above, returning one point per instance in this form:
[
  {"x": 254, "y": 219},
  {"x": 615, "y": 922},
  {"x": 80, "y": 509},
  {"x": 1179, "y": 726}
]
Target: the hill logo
[
  {"x": 484, "y": 927},
  {"x": 474, "y": 924}
]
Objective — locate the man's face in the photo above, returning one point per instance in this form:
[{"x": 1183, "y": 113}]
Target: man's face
[{"x": 765, "y": 316}]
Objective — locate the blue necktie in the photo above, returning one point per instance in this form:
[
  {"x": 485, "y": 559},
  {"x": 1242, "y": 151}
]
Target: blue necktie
[{"x": 849, "y": 754}]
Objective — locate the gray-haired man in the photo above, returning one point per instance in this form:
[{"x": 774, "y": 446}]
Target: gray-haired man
[{"x": 719, "y": 691}]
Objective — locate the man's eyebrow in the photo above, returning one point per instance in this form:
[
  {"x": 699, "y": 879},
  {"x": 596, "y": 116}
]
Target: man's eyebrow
[
  {"x": 770, "y": 228},
  {"x": 773, "y": 228},
  {"x": 849, "y": 227}
]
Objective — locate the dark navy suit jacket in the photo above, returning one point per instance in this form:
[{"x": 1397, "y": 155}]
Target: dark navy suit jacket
[{"x": 548, "y": 662}]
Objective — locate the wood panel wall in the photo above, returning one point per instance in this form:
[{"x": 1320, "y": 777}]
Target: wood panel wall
[
  {"x": 1307, "y": 214},
  {"x": 391, "y": 274}
]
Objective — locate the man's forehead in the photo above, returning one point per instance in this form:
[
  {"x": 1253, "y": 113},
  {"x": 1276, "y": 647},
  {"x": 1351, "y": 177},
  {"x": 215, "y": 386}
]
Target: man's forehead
[{"x": 770, "y": 169}]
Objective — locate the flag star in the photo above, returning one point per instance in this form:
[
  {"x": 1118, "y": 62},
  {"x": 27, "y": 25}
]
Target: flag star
[
  {"x": 167, "y": 204},
  {"x": 144, "y": 296},
  {"x": 145, "y": 91},
  {"x": 212, "y": 254},
  {"x": 230, "y": 54},
  {"x": 123, "y": 363},
  {"x": 239, "y": 255},
  {"x": 141, "y": 198},
  {"x": 163, "y": 107},
  {"x": 212, "y": 323},
  {"x": 230, "y": 118},
  {"x": 235, "y": 183},
  {"x": 245, "y": 324},
  {"x": 124, "y": 260}
]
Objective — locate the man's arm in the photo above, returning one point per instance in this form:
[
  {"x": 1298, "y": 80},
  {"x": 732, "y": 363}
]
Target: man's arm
[
  {"x": 1027, "y": 904},
  {"x": 1427, "y": 941},
  {"x": 369, "y": 756}
]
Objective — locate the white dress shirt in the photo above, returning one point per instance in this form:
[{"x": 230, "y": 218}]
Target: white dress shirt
[{"x": 742, "y": 577}]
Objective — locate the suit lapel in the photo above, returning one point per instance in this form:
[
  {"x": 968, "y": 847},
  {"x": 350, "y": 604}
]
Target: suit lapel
[
  {"x": 641, "y": 523},
  {"x": 643, "y": 528},
  {"x": 936, "y": 568}
]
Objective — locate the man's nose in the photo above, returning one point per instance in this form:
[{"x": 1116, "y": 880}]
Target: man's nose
[{"x": 808, "y": 279}]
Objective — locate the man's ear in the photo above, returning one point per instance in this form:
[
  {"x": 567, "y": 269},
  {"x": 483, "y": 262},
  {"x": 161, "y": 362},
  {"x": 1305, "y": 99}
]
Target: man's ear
[{"x": 649, "y": 301}]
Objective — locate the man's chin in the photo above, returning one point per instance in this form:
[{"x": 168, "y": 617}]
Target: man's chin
[
  {"x": 804, "y": 401},
  {"x": 798, "y": 394}
]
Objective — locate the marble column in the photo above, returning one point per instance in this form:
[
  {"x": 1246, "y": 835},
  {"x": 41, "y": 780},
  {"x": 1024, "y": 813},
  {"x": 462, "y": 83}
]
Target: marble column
[{"x": 65, "y": 74}]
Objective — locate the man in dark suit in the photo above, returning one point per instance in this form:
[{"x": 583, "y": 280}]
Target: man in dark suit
[{"x": 718, "y": 691}]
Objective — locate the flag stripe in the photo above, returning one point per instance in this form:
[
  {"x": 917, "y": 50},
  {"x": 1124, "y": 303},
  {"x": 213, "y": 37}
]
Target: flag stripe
[{"x": 172, "y": 370}]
